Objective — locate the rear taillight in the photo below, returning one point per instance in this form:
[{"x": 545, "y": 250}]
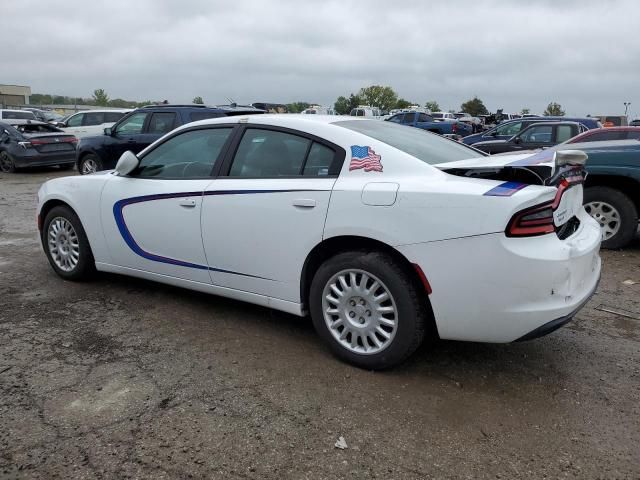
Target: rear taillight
[
  {"x": 454, "y": 127},
  {"x": 532, "y": 221}
]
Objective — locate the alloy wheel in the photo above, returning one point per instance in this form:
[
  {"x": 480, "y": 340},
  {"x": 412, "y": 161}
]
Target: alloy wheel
[
  {"x": 6, "y": 164},
  {"x": 359, "y": 311},
  {"x": 89, "y": 165},
  {"x": 607, "y": 216},
  {"x": 64, "y": 245}
]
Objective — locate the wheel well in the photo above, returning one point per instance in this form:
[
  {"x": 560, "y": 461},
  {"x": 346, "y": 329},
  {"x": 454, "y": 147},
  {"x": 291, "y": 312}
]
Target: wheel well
[
  {"x": 47, "y": 207},
  {"x": 332, "y": 246},
  {"x": 626, "y": 185}
]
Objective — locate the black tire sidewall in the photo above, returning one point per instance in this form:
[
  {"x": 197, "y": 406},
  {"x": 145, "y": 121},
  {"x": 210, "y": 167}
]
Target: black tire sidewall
[
  {"x": 625, "y": 207},
  {"x": 93, "y": 157},
  {"x": 86, "y": 263},
  {"x": 13, "y": 163},
  {"x": 412, "y": 312}
]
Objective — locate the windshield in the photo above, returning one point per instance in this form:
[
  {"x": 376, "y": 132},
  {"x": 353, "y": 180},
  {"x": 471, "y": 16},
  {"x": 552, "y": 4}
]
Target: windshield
[{"x": 428, "y": 147}]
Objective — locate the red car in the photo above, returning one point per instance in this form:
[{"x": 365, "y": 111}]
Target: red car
[{"x": 605, "y": 134}]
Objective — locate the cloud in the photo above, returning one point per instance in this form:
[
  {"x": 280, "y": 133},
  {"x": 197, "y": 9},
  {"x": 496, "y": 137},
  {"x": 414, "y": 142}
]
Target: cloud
[{"x": 582, "y": 54}]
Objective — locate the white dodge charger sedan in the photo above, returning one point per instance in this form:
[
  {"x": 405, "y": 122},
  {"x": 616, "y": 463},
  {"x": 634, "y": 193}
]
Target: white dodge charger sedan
[{"x": 385, "y": 234}]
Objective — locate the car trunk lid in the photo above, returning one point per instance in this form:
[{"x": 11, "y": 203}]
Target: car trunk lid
[{"x": 50, "y": 142}]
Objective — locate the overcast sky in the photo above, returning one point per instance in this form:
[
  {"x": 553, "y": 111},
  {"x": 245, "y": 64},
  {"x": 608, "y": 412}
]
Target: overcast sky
[{"x": 512, "y": 54}]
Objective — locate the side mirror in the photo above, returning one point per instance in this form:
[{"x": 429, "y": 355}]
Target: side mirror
[
  {"x": 108, "y": 132},
  {"x": 128, "y": 163},
  {"x": 494, "y": 133},
  {"x": 517, "y": 140}
]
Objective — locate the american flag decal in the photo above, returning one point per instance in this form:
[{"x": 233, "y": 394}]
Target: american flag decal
[{"x": 365, "y": 157}]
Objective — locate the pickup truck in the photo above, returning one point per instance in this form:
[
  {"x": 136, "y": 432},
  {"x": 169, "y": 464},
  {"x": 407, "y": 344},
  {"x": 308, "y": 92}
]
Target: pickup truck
[
  {"x": 538, "y": 135},
  {"x": 426, "y": 122}
]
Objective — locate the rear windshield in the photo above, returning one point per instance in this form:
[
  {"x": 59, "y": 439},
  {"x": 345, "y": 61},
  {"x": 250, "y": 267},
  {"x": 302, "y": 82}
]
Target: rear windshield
[
  {"x": 13, "y": 115},
  {"x": 428, "y": 147}
]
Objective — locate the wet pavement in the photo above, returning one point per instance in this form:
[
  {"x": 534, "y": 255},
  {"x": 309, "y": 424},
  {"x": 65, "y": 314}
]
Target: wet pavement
[{"x": 123, "y": 378}]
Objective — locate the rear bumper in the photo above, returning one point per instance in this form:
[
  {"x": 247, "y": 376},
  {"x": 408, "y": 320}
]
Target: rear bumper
[
  {"x": 554, "y": 325},
  {"x": 491, "y": 288}
]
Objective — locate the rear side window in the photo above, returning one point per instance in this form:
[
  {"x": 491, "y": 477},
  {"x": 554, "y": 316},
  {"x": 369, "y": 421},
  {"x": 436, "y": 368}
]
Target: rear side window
[
  {"x": 93, "y": 118},
  {"x": 161, "y": 122},
  {"x": 112, "y": 117},
  {"x": 195, "y": 116},
  {"x": 319, "y": 161},
  {"x": 268, "y": 153},
  {"x": 605, "y": 136},
  {"x": 564, "y": 133},
  {"x": 191, "y": 154}
]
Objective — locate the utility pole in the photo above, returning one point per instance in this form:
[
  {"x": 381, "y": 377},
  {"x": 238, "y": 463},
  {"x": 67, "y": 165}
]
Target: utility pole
[{"x": 626, "y": 107}]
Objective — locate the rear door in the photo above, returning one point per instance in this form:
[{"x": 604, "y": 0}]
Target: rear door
[{"x": 267, "y": 210}]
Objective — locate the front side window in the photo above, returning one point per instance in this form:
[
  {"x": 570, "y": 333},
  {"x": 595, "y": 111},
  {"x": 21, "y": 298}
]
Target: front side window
[
  {"x": 537, "y": 134},
  {"x": 269, "y": 153},
  {"x": 93, "y": 118},
  {"x": 76, "y": 120},
  {"x": 161, "y": 122},
  {"x": 112, "y": 117},
  {"x": 190, "y": 154},
  {"x": 132, "y": 125},
  {"x": 510, "y": 129},
  {"x": 409, "y": 118},
  {"x": 396, "y": 118}
]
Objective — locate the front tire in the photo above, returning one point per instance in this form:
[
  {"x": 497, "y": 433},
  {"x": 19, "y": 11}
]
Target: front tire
[
  {"x": 89, "y": 164},
  {"x": 7, "y": 165},
  {"x": 616, "y": 213},
  {"x": 66, "y": 245},
  {"x": 368, "y": 309}
]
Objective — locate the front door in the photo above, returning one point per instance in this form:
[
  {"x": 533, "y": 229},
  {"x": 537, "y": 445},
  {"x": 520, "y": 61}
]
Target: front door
[
  {"x": 261, "y": 219},
  {"x": 151, "y": 218}
]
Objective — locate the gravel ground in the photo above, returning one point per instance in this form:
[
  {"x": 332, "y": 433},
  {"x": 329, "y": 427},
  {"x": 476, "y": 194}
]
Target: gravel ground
[{"x": 121, "y": 378}]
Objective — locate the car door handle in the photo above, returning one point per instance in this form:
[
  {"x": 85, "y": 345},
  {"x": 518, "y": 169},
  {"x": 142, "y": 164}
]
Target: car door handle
[
  {"x": 187, "y": 203},
  {"x": 304, "y": 202}
]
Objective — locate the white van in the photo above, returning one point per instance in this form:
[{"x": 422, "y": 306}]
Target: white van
[
  {"x": 365, "y": 111},
  {"x": 91, "y": 122}
]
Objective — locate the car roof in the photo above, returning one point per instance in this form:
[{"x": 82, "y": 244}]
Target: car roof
[
  {"x": 291, "y": 120},
  {"x": 22, "y": 121},
  {"x": 105, "y": 110},
  {"x": 628, "y": 128},
  {"x": 13, "y": 110},
  {"x": 568, "y": 122}
]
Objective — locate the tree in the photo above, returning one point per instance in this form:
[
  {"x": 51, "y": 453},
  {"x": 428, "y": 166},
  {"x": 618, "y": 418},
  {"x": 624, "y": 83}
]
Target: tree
[
  {"x": 100, "y": 97},
  {"x": 525, "y": 111},
  {"x": 198, "y": 101},
  {"x": 474, "y": 107},
  {"x": 121, "y": 103},
  {"x": 344, "y": 105},
  {"x": 554, "y": 110},
  {"x": 297, "y": 107},
  {"x": 432, "y": 105},
  {"x": 402, "y": 103},
  {"x": 379, "y": 96}
]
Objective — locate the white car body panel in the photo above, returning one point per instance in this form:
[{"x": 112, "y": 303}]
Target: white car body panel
[
  {"x": 248, "y": 239},
  {"x": 93, "y": 130}
]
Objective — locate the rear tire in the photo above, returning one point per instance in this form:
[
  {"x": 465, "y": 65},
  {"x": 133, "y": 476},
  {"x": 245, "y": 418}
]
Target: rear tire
[
  {"x": 89, "y": 164},
  {"x": 616, "y": 213},
  {"x": 372, "y": 340},
  {"x": 7, "y": 165},
  {"x": 66, "y": 245}
]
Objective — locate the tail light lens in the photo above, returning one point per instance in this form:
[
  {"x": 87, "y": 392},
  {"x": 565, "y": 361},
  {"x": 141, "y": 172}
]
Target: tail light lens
[
  {"x": 532, "y": 221},
  {"x": 454, "y": 127}
]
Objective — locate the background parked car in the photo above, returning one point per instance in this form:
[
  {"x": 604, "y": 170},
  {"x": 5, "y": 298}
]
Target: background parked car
[
  {"x": 6, "y": 114},
  {"x": 635, "y": 123},
  {"x": 427, "y": 122},
  {"x": 605, "y": 134},
  {"x": 29, "y": 143},
  {"x": 613, "y": 120},
  {"x": 140, "y": 128},
  {"x": 612, "y": 187},
  {"x": 91, "y": 122},
  {"x": 508, "y": 129},
  {"x": 537, "y": 135},
  {"x": 45, "y": 115}
]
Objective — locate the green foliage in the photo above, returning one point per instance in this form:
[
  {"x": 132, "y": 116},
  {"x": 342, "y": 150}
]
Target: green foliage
[
  {"x": 100, "y": 97},
  {"x": 525, "y": 111},
  {"x": 474, "y": 107},
  {"x": 343, "y": 105},
  {"x": 554, "y": 110},
  {"x": 197, "y": 100},
  {"x": 379, "y": 96},
  {"x": 402, "y": 103},
  {"x": 297, "y": 107},
  {"x": 432, "y": 105},
  {"x": 121, "y": 103}
]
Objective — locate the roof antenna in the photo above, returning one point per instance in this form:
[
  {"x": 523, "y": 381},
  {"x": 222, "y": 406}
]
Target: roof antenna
[{"x": 232, "y": 103}]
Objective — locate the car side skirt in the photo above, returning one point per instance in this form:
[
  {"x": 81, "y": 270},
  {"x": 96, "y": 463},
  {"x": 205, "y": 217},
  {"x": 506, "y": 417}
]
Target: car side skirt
[{"x": 270, "y": 302}]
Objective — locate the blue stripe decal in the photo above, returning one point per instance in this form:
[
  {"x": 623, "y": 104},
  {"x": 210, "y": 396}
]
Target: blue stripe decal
[
  {"x": 505, "y": 189},
  {"x": 118, "y": 208}
]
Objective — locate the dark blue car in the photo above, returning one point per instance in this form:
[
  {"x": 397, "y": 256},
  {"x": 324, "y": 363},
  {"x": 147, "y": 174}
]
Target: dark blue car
[
  {"x": 508, "y": 129},
  {"x": 141, "y": 128}
]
